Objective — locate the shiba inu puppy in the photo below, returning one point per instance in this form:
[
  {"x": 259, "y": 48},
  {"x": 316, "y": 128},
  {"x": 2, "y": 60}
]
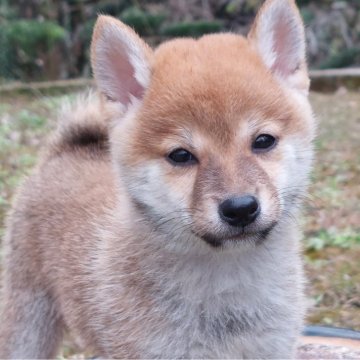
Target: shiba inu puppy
[{"x": 161, "y": 219}]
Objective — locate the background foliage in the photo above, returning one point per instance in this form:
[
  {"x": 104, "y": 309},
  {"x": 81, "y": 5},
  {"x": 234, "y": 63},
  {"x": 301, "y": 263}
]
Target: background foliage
[{"x": 49, "y": 39}]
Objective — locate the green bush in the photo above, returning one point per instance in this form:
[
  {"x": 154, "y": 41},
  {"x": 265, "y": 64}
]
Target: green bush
[
  {"x": 7, "y": 12},
  {"x": 303, "y": 2},
  {"x": 7, "y": 54},
  {"x": 30, "y": 35},
  {"x": 22, "y": 42},
  {"x": 142, "y": 22},
  {"x": 342, "y": 59},
  {"x": 193, "y": 29},
  {"x": 307, "y": 15},
  {"x": 111, "y": 7},
  {"x": 86, "y": 33}
]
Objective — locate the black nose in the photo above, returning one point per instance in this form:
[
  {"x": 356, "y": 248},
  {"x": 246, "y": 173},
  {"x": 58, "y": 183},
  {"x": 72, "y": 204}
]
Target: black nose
[{"x": 239, "y": 211}]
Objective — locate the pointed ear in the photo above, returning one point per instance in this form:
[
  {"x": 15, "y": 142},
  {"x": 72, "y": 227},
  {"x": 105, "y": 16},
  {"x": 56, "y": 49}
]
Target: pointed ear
[
  {"x": 120, "y": 61},
  {"x": 278, "y": 36}
]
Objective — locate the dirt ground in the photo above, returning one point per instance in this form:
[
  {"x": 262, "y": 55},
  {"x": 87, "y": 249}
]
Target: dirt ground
[{"x": 331, "y": 221}]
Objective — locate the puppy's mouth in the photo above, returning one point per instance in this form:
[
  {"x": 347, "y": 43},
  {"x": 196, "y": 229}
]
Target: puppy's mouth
[{"x": 216, "y": 241}]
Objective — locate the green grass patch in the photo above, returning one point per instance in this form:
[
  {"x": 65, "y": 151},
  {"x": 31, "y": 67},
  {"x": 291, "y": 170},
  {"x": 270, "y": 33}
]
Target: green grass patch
[
  {"x": 328, "y": 238},
  {"x": 30, "y": 120}
]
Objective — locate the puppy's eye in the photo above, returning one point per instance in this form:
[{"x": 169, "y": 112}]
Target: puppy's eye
[
  {"x": 181, "y": 157},
  {"x": 263, "y": 142}
]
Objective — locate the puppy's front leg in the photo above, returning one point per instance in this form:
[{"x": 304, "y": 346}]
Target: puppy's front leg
[{"x": 30, "y": 326}]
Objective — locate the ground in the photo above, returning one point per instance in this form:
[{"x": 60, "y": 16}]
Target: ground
[{"x": 331, "y": 222}]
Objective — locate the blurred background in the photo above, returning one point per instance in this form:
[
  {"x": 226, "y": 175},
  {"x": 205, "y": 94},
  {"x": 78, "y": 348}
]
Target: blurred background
[
  {"x": 49, "y": 39},
  {"x": 43, "y": 41}
]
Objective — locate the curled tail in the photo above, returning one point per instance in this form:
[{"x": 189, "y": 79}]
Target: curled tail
[{"x": 83, "y": 124}]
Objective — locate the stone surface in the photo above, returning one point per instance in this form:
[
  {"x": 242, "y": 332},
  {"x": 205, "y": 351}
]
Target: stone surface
[{"x": 320, "y": 351}]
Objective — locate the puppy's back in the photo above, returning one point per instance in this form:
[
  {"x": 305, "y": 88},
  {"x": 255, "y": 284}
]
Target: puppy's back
[{"x": 74, "y": 172}]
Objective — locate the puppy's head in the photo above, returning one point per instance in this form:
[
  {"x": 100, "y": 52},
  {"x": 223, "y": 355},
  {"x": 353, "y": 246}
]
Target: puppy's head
[{"x": 212, "y": 137}]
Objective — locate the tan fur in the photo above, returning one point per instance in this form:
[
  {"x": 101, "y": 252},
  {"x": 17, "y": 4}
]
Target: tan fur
[{"x": 105, "y": 238}]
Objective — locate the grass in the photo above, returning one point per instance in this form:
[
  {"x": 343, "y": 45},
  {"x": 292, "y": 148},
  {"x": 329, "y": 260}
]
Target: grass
[
  {"x": 332, "y": 221},
  {"x": 345, "y": 239},
  {"x": 332, "y": 236}
]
